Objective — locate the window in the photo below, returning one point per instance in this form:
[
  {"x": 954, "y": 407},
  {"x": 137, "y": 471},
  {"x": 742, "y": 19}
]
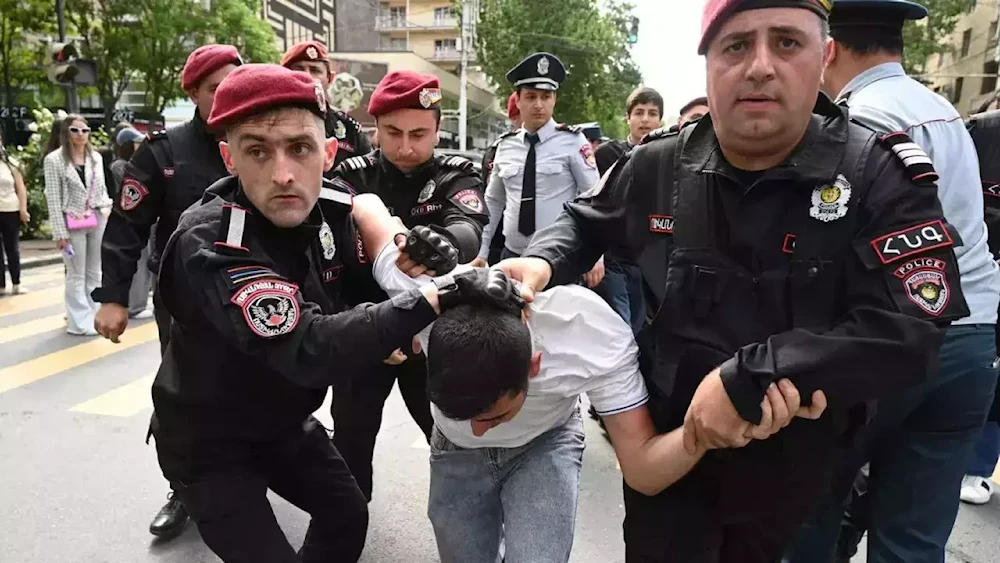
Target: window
[
  {"x": 445, "y": 47},
  {"x": 397, "y": 44},
  {"x": 966, "y": 42},
  {"x": 444, "y": 16},
  {"x": 989, "y": 82},
  {"x": 957, "y": 95}
]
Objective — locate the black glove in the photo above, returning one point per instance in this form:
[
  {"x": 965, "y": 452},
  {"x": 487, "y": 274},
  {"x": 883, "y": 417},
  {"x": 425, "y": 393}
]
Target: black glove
[
  {"x": 429, "y": 247},
  {"x": 487, "y": 287}
]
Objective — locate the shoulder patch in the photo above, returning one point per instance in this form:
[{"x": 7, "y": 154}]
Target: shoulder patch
[
  {"x": 918, "y": 164},
  {"x": 456, "y": 162},
  {"x": 568, "y": 128},
  {"x": 269, "y": 306},
  {"x": 158, "y": 135},
  {"x": 133, "y": 192},
  {"x": 661, "y": 133}
]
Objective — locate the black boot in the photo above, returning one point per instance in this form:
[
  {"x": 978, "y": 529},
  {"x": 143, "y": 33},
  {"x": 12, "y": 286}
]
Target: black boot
[{"x": 169, "y": 521}]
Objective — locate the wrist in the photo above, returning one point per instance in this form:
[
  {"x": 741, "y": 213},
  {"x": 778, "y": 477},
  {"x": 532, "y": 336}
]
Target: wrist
[
  {"x": 430, "y": 293},
  {"x": 742, "y": 392}
]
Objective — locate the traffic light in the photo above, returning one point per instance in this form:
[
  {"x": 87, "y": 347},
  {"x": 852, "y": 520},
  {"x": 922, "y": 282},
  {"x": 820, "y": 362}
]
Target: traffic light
[
  {"x": 66, "y": 69},
  {"x": 633, "y": 32}
]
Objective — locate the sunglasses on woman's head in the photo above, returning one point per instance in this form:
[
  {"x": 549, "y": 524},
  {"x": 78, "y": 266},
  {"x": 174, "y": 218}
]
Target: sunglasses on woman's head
[{"x": 79, "y": 131}]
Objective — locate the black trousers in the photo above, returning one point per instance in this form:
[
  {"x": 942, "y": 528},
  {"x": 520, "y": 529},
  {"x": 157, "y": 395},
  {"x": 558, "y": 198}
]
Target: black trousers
[
  {"x": 162, "y": 318},
  {"x": 230, "y": 506},
  {"x": 357, "y": 412},
  {"x": 10, "y": 232}
]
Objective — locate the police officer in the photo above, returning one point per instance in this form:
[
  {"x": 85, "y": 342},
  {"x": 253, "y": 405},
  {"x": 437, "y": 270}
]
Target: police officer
[
  {"x": 777, "y": 240},
  {"x": 168, "y": 173},
  {"x": 915, "y": 473},
  {"x": 514, "y": 115},
  {"x": 540, "y": 167},
  {"x": 312, "y": 57},
  {"x": 258, "y": 339},
  {"x": 421, "y": 189}
]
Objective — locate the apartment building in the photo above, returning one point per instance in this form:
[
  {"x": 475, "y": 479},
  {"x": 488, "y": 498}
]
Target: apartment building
[{"x": 966, "y": 74}]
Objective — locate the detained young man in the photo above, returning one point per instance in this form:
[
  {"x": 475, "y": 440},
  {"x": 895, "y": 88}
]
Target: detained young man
[{"x": 508, "y": 441}]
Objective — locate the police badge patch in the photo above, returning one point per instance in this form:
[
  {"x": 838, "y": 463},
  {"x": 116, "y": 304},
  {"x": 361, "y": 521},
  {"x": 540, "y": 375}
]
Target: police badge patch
[
  {"x": 340, "y": 131},
  {"x": 925, "y": 284},
  {"x": 269, "y": 307},
  {"x": 469, "y": 201},
  {"x": 326, "y": 241},
  {"x": 133, "y": 192},
  {"x": 427, "y": 192},
  {"x": 829, "y": 203},
  {"x": 587, "y": 152}
]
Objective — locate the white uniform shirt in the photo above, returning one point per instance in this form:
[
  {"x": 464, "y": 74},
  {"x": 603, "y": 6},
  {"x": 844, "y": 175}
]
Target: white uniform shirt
[
  {"x": 564, "y": 168},
  {"x": 586, "y": 348}
]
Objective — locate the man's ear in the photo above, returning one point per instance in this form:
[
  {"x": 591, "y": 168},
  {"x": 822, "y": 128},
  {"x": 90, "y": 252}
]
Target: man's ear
[
  {"x": 331, "y": 153},
  {"x": 535, "y": 365},
  {"x": 227, "y": 157},
  {"x": 830, "y": 53}
]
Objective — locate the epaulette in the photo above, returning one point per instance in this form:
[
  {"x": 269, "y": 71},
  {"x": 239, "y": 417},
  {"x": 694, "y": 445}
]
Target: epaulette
[
  {"x": 568, "y": 128},
  {"x": 339, "y": 193},
  {"x": 356, "y": 163},
  {"x": 231, "y": 228},
  {"x": 918, "y": 165},
  {"x": 661, "y": 133},
  {"x": 500, "y": 139},
  {"x": 158, "y": 135},
  {"x": 343, "y": 116},
  {"x": 456, "y": 162}
]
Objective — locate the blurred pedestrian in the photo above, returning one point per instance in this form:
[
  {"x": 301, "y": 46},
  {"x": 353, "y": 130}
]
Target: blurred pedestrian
[
  {"x": 78, "y": 204},
  {"x": 126, "y": 141},
  {"x": 13, "y": 212},
  {"x": 693, "y": 111},
  {"x": 109, "y": 154}
]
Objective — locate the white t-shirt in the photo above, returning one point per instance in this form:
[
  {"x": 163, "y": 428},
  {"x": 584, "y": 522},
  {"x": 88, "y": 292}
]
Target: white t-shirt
[
  {"x": 586, "y": 348},
  {"x": 8, "y": 192}
]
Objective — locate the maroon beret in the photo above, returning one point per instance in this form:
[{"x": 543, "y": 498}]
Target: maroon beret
[
  {"x": 205, "y": 60},
  {"x": 404, "y": 89},
  {"x": 718, "y": 11},
  {"x": 306, "y": 51},
  {"x": 513, "y": 112},
  {"x": 256, "y": 88}
]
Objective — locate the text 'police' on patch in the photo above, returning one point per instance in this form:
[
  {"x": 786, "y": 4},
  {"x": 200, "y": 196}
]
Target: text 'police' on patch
[
  {"x": 914, "y": 240},
  {"x": 661, "y": 224}
]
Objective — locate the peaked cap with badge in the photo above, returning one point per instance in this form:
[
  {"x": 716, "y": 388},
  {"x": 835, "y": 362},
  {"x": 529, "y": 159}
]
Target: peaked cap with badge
[
  {"x": 540, "y": 71},
  {"x": 717, "y": 12}
]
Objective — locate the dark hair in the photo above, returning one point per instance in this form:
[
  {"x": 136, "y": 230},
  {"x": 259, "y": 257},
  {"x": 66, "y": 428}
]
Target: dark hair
[
  {"x": 55, "y": 136},
  {"x": 702, "y": 101},
  {"x": 125, "y": 151},
  {"x": 869, "y": 40},
  {"x": 643, "y": 95},
  {"x": 476, "y": 355}
]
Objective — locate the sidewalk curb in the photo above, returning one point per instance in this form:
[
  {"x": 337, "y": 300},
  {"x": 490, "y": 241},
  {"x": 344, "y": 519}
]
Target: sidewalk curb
[{"x": 44, "y": 260}]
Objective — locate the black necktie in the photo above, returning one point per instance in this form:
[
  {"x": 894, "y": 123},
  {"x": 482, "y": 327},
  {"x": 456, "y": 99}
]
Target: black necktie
[{"x": 526, "y": 217}]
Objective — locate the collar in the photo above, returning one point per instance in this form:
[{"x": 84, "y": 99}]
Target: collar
[
  {"x": 815, "y": 159},
  {"x": 424, "y": 170},
  {"x": 274, "y": 237},
  {"x": 871, "y": 76},
  {"x": 546, "y": 131}
]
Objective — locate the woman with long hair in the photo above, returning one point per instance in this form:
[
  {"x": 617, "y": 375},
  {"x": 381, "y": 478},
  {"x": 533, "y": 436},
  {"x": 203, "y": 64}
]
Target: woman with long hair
[
  {"x": 13, "y": 212},
  {"x": 79, "y": 205}
]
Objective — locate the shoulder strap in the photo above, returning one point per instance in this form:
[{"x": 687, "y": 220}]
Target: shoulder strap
[
  {"x": 568, "y": 128},
  {"x": 456, "y": 162},
  {"x": 690, "y": 201},
  {"x": 231, "y": 231},
  {"x": 338, "y": 194},
  {"x": 355, "y": 163}
]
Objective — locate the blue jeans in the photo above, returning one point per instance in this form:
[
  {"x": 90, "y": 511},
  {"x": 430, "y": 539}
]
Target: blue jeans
[
  {"x": 623, "y": 287},
  {"x": 919, "y": 446},
  {"x": 527, "y": 495},
  {"x": 987, "y": 451}
]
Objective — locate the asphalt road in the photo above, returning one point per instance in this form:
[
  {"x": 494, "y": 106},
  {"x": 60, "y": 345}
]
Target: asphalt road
[{"x": 78, "y": 485}]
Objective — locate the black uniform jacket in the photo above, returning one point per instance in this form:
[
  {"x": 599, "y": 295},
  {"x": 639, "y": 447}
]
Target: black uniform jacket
[
  {"x": 256, "y": 338},
  {"x": 168, "y": 174},
  {"x": 855, "y": 312},
  {"x": 446, "y": 192},
  {"x": 351, "y": 140}
]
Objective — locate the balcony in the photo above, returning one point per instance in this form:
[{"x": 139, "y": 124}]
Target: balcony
[
  {"x": 399, "y": 22},
  {"x": 450, "y": 55},
  {"x": 386, "y": 22}
]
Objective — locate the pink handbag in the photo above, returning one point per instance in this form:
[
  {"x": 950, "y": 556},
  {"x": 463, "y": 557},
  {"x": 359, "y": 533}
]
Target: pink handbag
[{"x": 87, "y": 219}]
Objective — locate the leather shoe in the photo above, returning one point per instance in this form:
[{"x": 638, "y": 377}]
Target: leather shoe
[{"x": 170, "y": 520}]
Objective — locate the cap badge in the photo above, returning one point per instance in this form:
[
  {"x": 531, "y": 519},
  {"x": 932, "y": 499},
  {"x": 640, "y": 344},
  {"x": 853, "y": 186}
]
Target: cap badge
[
  {"x": 543, "y": 66},
  {"x": 312, "y": 53},
  {"x": 429, "y": 97},
  {"x": 340, "y": 131},
  {"x": 320, "y": 96}
]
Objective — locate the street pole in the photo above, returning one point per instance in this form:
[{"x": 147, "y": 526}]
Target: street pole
[
  {"x": 463, "y": 64},
  {"x": 72, "y": 104}
]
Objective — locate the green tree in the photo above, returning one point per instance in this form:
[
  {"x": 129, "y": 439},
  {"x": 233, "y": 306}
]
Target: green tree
[
  {"x": 591, "y": 40},
  {"x": 930, "y": 35},
  {"x": 21, "y": 58}
]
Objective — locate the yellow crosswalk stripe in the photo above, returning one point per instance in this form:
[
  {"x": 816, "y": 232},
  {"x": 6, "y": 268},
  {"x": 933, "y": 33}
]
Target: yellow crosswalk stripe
[
  {"x": 43, "y": 276},
  {"x": 50, "y": 364},
  {"x": 15, "y": 304},
  {"x": 32, "y": 328},
  {"x": 128, "y": 400}
]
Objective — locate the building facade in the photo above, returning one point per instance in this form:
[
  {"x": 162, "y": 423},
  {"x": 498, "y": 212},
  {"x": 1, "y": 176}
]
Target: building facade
[
  {"x": 295, "y": 21},
  {"x": 966, "y": 74}
]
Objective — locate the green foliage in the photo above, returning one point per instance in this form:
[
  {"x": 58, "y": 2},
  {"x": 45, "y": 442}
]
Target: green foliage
[
  {"x": 590, "y": 39},
  {"x": 930, "y": 36},
  {"x": 20, "y": 58}
]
